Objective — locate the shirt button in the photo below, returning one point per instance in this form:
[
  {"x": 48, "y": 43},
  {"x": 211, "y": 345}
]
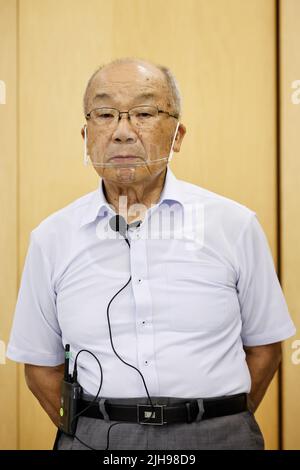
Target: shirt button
[
  {"x": 143, "y": 322},
  {"x": 146, "y": 363}
]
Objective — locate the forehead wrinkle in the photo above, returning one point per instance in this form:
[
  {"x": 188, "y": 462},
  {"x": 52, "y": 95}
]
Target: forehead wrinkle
[
  {"x": 143, "y": 96},
  {"x": 106, "y": 83},
  {"x": 109, "y": 85}
]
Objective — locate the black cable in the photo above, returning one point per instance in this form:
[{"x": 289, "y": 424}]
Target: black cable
[
  {"x": 130, "y": 365},
  {"x": 101, "y": 381},
  {"x": 96, "y": 396}
]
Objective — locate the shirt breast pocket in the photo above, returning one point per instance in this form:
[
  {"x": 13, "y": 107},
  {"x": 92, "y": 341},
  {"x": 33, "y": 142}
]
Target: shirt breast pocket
[{"x": 197, "y": 297}]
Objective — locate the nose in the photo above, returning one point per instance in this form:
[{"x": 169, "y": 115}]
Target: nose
[{"x": 124, "y": 132}]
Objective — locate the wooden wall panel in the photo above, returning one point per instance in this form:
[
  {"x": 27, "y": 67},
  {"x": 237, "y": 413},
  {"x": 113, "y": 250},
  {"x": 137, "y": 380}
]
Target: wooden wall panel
[
  {"x": 223, "y": 54},
  {"x": 290, "y": 196},
  {"x": 8, "y": 209}
]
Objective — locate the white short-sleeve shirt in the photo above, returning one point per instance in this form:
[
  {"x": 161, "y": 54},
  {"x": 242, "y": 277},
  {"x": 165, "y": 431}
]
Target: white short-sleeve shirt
[{"x": 203, "y": 284}]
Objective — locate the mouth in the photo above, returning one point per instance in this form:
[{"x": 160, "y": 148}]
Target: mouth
[{"x": 124, "y": 158}]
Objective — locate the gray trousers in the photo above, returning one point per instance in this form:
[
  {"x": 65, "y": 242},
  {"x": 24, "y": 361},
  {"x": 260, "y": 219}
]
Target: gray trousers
[{"x": 238, "y": 431}]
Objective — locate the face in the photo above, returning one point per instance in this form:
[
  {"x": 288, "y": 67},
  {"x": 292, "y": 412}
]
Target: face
[{"x": 124, "y": 86}]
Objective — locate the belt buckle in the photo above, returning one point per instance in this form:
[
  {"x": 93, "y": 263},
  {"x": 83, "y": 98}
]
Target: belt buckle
[{"x": 144, "y": 414}]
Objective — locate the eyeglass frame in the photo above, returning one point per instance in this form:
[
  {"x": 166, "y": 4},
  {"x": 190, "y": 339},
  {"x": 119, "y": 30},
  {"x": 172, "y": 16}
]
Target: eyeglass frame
[{"x": 88, "y": 115}]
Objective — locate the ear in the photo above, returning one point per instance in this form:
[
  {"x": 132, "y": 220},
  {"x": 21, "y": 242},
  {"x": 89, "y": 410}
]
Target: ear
[
  {"x": 181, "y": 131},
  {"x": 82, "y": 131}
]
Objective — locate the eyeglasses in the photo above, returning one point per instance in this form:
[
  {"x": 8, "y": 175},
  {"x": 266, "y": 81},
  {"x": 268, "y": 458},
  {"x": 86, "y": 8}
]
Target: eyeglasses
[{"x": 140, "y": 116}]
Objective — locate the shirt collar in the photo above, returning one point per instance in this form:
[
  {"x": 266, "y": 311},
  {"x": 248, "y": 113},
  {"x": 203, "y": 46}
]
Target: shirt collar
[{"x": 98, "y": 204}]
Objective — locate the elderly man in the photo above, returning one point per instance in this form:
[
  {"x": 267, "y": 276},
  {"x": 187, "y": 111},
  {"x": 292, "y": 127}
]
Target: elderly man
[{"x": 165, "y": 292}]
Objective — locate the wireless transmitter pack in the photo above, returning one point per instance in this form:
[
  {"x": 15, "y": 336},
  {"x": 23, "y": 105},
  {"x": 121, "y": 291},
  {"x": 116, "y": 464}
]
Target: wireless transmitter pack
[{"x": 70, "y": 393}]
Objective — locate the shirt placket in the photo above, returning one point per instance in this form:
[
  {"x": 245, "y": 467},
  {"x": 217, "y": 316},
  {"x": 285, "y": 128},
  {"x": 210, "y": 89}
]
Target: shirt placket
[{"x": 143, "y": 311}]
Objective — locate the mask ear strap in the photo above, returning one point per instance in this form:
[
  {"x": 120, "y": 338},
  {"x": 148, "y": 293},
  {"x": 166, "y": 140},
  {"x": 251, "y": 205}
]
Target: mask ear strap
[
  {"x": 171, "y": 151},
  {"x": 86, "y": 156}
]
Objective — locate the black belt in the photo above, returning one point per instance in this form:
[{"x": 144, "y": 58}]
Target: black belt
[{"x": 183, "y": 412}]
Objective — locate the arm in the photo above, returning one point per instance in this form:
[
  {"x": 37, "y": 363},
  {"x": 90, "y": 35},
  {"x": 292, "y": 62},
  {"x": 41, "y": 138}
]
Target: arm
[
  {"x": 45, "y": 383},
  {"x": 262, "y": 361}
]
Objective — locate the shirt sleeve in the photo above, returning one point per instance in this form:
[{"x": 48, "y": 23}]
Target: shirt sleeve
[
  {"x": 264, "y": 311},
  {"x": 36, "y": 336}
]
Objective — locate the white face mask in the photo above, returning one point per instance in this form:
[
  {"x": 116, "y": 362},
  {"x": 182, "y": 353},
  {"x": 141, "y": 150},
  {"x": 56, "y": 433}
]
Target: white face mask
[{"x": 87, "y": 159}]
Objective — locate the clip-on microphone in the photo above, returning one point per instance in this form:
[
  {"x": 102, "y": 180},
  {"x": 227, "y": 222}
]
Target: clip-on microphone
[{"x": 119, "y": 224}]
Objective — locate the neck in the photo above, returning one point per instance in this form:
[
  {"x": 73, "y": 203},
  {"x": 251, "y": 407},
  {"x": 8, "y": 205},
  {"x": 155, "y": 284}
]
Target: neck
[{"x": 124, "y": 197}]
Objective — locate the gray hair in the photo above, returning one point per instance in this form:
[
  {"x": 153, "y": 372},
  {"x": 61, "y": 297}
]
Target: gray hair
[{"x": 171, "y": 81}]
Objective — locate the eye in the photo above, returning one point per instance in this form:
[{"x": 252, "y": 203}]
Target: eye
[
  {"x": 106, "y": 116},
  {"x": 144, "y": 115},
  {"x": 103, "y": 114}
]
